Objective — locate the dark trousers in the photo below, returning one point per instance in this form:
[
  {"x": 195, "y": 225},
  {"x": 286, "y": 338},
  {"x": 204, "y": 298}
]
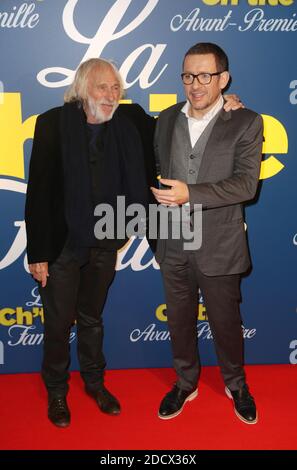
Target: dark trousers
[
  {"x": 182, "y": 279},
  {"x": 75, "y": 292}
]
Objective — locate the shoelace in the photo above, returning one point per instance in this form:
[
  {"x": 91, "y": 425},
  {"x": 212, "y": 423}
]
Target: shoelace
[{"x": 245, "y": 399}]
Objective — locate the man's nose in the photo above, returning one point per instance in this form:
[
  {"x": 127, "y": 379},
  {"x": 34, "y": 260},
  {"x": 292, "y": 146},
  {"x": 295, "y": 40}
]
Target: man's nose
[
  {"x": 109, "y": 94},
  {"x": 196, "y": 83}
]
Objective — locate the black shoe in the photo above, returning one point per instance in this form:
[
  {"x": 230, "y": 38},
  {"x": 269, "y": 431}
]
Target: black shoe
[
  {"x": 58, "y": 412},
  {"x": 105, "y": 400},
  {"x": 244, "y": 404},
  {"x": 173, "y": 403}
]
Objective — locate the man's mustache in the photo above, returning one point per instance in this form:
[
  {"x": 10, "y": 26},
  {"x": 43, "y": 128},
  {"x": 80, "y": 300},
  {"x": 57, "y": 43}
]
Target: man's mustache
[{"x": 108, "y": 103}]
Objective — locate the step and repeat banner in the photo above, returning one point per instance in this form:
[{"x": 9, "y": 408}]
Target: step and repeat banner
[{"x": 42, "y": 42}]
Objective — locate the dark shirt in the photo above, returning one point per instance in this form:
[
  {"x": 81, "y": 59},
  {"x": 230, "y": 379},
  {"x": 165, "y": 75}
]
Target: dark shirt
[{"x": 96, "y": 135}]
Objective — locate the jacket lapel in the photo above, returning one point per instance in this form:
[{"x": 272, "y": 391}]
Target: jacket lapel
[
  {"x": 213, "y": 143},
  {"x": 169, "y": 139}
]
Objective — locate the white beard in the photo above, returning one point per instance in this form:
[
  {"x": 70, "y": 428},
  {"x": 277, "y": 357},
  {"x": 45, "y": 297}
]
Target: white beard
[{"x": 97, "y": 114}]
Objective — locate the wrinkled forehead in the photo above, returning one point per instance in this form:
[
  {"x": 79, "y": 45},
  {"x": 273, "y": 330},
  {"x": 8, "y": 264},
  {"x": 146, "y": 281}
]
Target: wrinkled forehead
[{"x": 103, "y": 74}]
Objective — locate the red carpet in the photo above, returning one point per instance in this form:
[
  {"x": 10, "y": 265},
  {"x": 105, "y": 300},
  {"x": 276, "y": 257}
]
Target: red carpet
[{"x": 206, "y": 423}]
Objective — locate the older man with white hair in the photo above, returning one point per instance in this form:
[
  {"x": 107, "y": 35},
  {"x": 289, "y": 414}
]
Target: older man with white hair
[{"x": 87, "y": 152}]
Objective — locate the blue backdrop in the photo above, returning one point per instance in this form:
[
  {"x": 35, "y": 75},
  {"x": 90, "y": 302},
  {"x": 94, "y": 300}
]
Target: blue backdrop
[{"x": 41, "y": 44}]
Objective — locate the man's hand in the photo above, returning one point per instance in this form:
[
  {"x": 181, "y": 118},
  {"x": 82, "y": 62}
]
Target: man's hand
[
  {"x": 177, "y": 195},
  {"x": 40, "y": 272},
  {"x": 232, "y": 103}
]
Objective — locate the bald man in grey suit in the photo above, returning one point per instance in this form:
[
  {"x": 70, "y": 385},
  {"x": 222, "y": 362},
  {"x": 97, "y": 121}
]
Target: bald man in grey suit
[{"x": 211, "y": 157}]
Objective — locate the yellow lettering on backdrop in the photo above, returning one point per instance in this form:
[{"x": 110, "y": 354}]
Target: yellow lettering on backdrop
[
  {"x": 271, "y": 3},
  {"x": 275, "y": 141},
  {"x": 23, "y": 317},
  {"x": 5, "y": 317},
  {"x": 161, "y": 312},
  {"x": 160, "y": 101},
  {"x": 19, "y": 316},
  {"x": 13, "y": 133},
  {"x": 202, "y": 312},
  {"x": 212, "y": 3}
]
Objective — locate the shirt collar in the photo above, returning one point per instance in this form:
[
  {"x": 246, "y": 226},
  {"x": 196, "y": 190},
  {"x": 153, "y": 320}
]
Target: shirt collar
[{"x": 209, "y": 115}]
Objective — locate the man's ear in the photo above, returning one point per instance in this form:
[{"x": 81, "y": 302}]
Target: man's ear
[{"x": 224, "y": 80}]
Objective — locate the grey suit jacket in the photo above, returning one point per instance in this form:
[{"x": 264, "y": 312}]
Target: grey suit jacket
[{"x": 228, "y": 177}]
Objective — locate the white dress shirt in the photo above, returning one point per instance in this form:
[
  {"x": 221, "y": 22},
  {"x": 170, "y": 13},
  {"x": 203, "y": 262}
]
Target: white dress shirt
[{"x": 197, "y": 126}]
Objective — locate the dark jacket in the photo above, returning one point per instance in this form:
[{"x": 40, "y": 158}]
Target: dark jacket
[
  {"x": 45, "y": 212},
  {"x": 228, "y": 177}
]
